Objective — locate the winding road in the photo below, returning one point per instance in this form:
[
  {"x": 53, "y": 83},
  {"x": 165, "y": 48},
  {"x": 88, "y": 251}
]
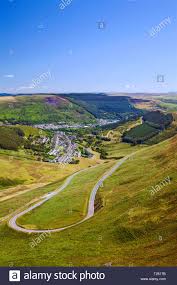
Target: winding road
[{"x": 90, "y": 212}]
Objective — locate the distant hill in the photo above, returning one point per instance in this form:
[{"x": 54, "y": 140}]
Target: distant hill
[
  {"x": 158, "y": 119},
  {"x": 105, "y": 106},
  {"x": 72, "y": 108},
  {"x": 36, "y": 109},
  {"x": 5, "y": 94},
  {"x": 153, "y": 123}
]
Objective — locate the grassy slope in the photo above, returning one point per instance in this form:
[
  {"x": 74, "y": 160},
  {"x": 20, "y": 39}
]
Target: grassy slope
[
  {"x": 35, "y": 172},
  {"x": 120, "y": 150},
  {"x": 172, "y": 107},
  {"x": 29, "y": 130},
  {"x": 166, "y": 134},
  {"x": 69, "y": 206},
  {"x": 27, "y": 173},
  {"x": 21, "y": 152},
  {"x": 166, "y": 102},
  {"x": 9, "y": 206},
  {"x": 116, "y": 134},
  {"x": 32, "y": 173},
  {"x": 116, "y": 148},
  {"x": 7, "y": 140},
  {"x": 141, "y": 132},
  {"x": 41, "y": 109},
  {"x": 133, "y": 228}
]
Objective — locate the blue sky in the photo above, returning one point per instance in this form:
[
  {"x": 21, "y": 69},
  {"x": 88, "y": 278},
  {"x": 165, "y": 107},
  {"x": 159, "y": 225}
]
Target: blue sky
[{"x": 64, "y": 50}]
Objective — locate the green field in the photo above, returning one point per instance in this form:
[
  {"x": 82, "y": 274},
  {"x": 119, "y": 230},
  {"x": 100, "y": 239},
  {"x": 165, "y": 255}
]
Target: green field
[
  {"x": 119, "y": 150},
  {"x": 68, "y": 207},
  {"x": 9, "y": 206},
  {"x": 133, "y": 227}
]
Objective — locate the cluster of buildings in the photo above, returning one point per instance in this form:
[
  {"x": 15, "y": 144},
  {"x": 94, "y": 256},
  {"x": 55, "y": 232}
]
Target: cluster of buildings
[
  {"x": 54, "y": 127},
  {"x": 64, "y": 149}
]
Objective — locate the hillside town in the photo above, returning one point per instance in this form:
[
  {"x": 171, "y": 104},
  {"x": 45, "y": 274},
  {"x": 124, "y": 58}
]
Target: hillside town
[
  {"x": 63, "y": 125},
  {"x": 64, "y": 149}
]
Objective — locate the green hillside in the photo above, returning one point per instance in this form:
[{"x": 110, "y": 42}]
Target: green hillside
[
  {"x": 36, "y": 109},
  {"x": 140, "y": 134},
  {"x": 24, "y": 141},
  {"x": 70, "y": 206},
  {"x": 11, "y": 138},
  {"x": 158, "y": 119},
  {"x": 154, "y": 122},
  {"x": 168, "y": 103},
  {"x": 105, "y": 106},
  {"x": 135, "y": 226}
]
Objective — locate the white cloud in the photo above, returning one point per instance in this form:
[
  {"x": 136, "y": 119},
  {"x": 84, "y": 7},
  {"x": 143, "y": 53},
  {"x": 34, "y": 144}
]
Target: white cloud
[
  {"x": 9, "y": 75},
  {"x": 130, "y": 86},
  {"x": 25, "y": 87}
]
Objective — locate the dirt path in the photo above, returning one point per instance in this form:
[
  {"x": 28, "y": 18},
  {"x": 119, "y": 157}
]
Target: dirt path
[{"x": 5, "y": 196}]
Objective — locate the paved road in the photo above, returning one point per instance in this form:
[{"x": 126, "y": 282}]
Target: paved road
[{"x": 12, "y": 222}]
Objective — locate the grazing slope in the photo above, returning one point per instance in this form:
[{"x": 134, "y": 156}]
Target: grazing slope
[
  {"x": 68, "y": 207},
  {"x": 11, "y": 138},
  {"x": 133, "y": 228}
]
